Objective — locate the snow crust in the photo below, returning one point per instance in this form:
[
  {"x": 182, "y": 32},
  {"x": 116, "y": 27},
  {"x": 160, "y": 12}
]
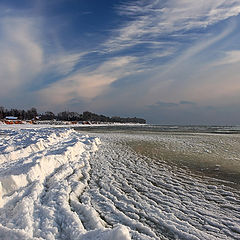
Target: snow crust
[
  {"x": 156, "y": 200},
  {"x": 43, "y": 172}
]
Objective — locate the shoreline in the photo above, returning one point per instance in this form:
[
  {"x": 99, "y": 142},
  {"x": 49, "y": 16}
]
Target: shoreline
[
  {"x": 203, "y": 154},
  {"x": 93, "y": 185},
  {"x": 159, "y": 189}
]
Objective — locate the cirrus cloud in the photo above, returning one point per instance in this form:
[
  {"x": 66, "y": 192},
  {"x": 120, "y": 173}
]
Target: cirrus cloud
[
  {"x": 21, "y": 55},
  {"x": 89, "y": 84},
  {"x": 152, "y": 20}
]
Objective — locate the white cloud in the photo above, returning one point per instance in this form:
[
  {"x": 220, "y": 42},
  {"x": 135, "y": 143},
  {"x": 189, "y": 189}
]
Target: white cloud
[
  {"x": 150, "y": 20},
  {"x": 230, "y": 57},
  {"x": 76, "y": 87},
  {"x": 186, "y": 75},
  {"x": 195, "y": 49},
  {"x": 21, "y": 56},
  {"x": 87, "y": 85},
  {"x": 63, "y": 63},
  {"x": 118, "y": 66}
]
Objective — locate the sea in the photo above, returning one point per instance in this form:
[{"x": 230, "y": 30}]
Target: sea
[{"x": 167, "y": 182}]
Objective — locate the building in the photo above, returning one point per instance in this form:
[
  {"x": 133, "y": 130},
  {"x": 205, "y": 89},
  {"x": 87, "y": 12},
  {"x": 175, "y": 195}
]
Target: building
[{"x": 12, "y": 120}]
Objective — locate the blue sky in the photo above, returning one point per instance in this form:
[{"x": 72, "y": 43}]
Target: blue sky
[{"x": 168, "y": 61}]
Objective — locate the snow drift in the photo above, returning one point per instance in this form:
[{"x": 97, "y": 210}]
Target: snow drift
[{"x": 43, "y": 172}]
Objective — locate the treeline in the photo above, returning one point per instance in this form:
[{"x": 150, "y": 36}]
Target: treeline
[
  {"x": 20, "y": 114},
  {"x": 65, "y": 116},
  {"x": 88, "y": 116}
]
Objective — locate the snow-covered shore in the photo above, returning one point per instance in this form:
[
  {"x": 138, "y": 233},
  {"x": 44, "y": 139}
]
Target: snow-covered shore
[
  {"x": 43, "y": 171},
  {"x": 157, "y": 200},
  {"x": 57, "y": 183}
]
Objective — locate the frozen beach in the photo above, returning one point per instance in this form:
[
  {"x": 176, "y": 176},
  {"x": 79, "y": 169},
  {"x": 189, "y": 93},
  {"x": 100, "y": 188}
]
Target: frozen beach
[
  {"x": 43, "y": 171},
  {"x": 58, "y": 183}
]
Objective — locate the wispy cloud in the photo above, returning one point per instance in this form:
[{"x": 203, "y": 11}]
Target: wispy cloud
[
  {"x": 151, "y": 21},
  {"x": 63, "y": 63},
  {"x": 21, "y": 55},
  {"x": 186, "y": 75},
  {"x": 27, "y": 59},
  {"x": 164, "y": 54},
  {"x": 229, "y": 57},
  {"x": 86, "y": 85}
]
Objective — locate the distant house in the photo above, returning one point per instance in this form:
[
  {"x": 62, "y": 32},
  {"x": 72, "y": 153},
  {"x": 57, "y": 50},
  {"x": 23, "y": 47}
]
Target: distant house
[{"x": 12, "y": 120}]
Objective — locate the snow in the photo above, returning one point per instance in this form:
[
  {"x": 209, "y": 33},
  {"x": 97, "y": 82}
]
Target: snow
[
  {"x": 155, "y": 200},
  {"x": 57, "y": 183},
  {"x": 43, "y": 171}
]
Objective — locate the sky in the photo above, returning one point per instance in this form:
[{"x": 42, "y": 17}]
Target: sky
[{"x": 168, "y": 61}]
